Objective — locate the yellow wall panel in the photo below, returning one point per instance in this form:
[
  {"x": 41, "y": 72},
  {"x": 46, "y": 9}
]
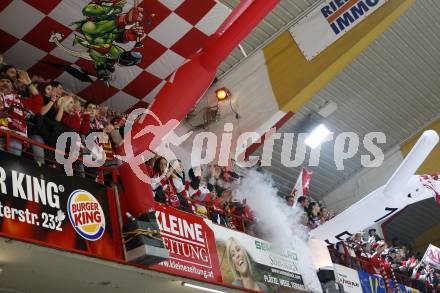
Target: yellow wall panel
[
  {"x": 295, "y": 80},
  {"x": 432, "y": 236}
]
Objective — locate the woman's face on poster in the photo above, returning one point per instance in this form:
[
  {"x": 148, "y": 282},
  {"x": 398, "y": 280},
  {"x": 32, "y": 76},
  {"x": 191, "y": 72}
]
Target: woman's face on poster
[{"x": 239, "y": 259}]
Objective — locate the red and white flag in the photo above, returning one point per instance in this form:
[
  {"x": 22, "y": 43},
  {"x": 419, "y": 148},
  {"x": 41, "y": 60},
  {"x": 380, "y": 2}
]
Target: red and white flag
[
  {"x": 432, "y": 256},
  {"x": 432, "y": 182},
  {"x": 301, "y": 187}
]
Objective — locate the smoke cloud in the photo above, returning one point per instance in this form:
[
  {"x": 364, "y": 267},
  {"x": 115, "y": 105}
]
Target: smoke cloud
[{"x": 280, "y": 223}]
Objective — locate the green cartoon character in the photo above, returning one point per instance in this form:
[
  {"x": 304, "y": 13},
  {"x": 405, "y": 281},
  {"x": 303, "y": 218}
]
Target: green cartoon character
[{"x": 104, "y": 28}]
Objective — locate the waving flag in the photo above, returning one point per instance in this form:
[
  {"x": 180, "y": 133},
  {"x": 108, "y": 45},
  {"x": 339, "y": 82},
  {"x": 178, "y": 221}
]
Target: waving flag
[
  {"x": 301, "y": 187},
  {"x": 432, "y": 256}
]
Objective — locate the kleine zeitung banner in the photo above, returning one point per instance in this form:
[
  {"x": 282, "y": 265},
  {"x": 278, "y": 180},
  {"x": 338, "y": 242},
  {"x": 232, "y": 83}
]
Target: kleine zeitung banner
[
  {"x": 191, "y": 244},
  {"x": 205, "y": 251}
]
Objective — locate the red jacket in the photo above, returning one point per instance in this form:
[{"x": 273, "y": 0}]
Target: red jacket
[
  {"x": 379, "y": 263},
  {"x": 73, "y": 121},
  {"x": 34, "y": 104},
  {"x": 15, "y": 119}
]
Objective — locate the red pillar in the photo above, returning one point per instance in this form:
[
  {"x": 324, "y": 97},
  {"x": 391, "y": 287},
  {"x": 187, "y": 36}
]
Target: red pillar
[
  {"x": 216, "y": 52},
  {"x": 238, "y": 10},
  {"x": 139, "y": 197},
  {"x": 185, "y": 88}
]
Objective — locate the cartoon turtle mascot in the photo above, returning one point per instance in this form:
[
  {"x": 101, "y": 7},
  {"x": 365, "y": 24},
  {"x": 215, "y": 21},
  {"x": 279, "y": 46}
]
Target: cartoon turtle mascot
[{"x": 105, "y": 26}]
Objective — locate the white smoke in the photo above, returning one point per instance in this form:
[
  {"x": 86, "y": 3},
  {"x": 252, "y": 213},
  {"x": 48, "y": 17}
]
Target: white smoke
[{"x": 280, "y": 223}]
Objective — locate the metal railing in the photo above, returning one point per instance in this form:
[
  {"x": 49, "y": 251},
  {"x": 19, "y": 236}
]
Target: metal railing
[
  {"x": 27, "y": 152},
  {"x": 227, "y": 216},
  {"x": 364, "y": 264}
]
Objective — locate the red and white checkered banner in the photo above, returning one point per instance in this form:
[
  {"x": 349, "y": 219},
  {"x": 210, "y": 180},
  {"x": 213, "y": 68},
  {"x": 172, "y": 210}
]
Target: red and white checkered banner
[{"x": 175, "y": 30}]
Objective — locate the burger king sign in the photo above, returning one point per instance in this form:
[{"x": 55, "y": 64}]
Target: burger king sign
[{"x": 86, "y": 215}]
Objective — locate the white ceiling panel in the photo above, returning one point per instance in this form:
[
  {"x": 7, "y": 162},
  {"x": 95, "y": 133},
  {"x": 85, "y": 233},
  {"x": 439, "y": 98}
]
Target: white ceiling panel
[{"x": 392, "y": 87}]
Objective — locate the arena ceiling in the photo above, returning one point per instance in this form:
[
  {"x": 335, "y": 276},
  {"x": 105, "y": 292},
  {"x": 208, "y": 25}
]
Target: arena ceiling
[
  {"x": 392, "y": 87},
  {"x": 285, "y": 14},
  {"x": 413, "y": 221}
]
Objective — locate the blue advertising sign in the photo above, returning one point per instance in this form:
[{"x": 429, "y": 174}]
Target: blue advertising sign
[
  {"x": 371, "y": 283},
  {"x": 375, "y": 284}
]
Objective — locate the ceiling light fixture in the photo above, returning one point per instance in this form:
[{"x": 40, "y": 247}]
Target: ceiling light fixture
[
  {"x": 201, "y": 288},
  {"x": 6, "y": 290},
  {"x": 222, "y": 94},
  {"x": 317, "y": 136},
  {"x": 328, "y": 109},
  {"x": 242, "y": 50}
]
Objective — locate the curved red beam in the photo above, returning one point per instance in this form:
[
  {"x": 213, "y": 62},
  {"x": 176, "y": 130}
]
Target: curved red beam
[
  {"x": 238, "y": 10},
  {"x": 185, "y": 88}
]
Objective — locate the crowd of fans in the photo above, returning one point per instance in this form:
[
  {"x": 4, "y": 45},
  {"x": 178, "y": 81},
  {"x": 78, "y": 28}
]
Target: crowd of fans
[
  {"x": 370, "y": 253},
  {"x": 206, "y": 191},
  {"x": 40, "y": 109},
  {"x": 391, "y": 260},
  {"x": 315, "y": 213}
]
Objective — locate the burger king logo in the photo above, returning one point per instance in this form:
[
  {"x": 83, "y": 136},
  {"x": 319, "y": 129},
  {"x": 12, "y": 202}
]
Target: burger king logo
[{"x": 86, "y": 215}]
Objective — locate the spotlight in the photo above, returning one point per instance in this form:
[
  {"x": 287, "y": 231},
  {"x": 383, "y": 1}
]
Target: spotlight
[
  {"x": 317, "y": 136},
  {"x": 222, "y": 94},
  {"x": 201, "y": 288}
]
